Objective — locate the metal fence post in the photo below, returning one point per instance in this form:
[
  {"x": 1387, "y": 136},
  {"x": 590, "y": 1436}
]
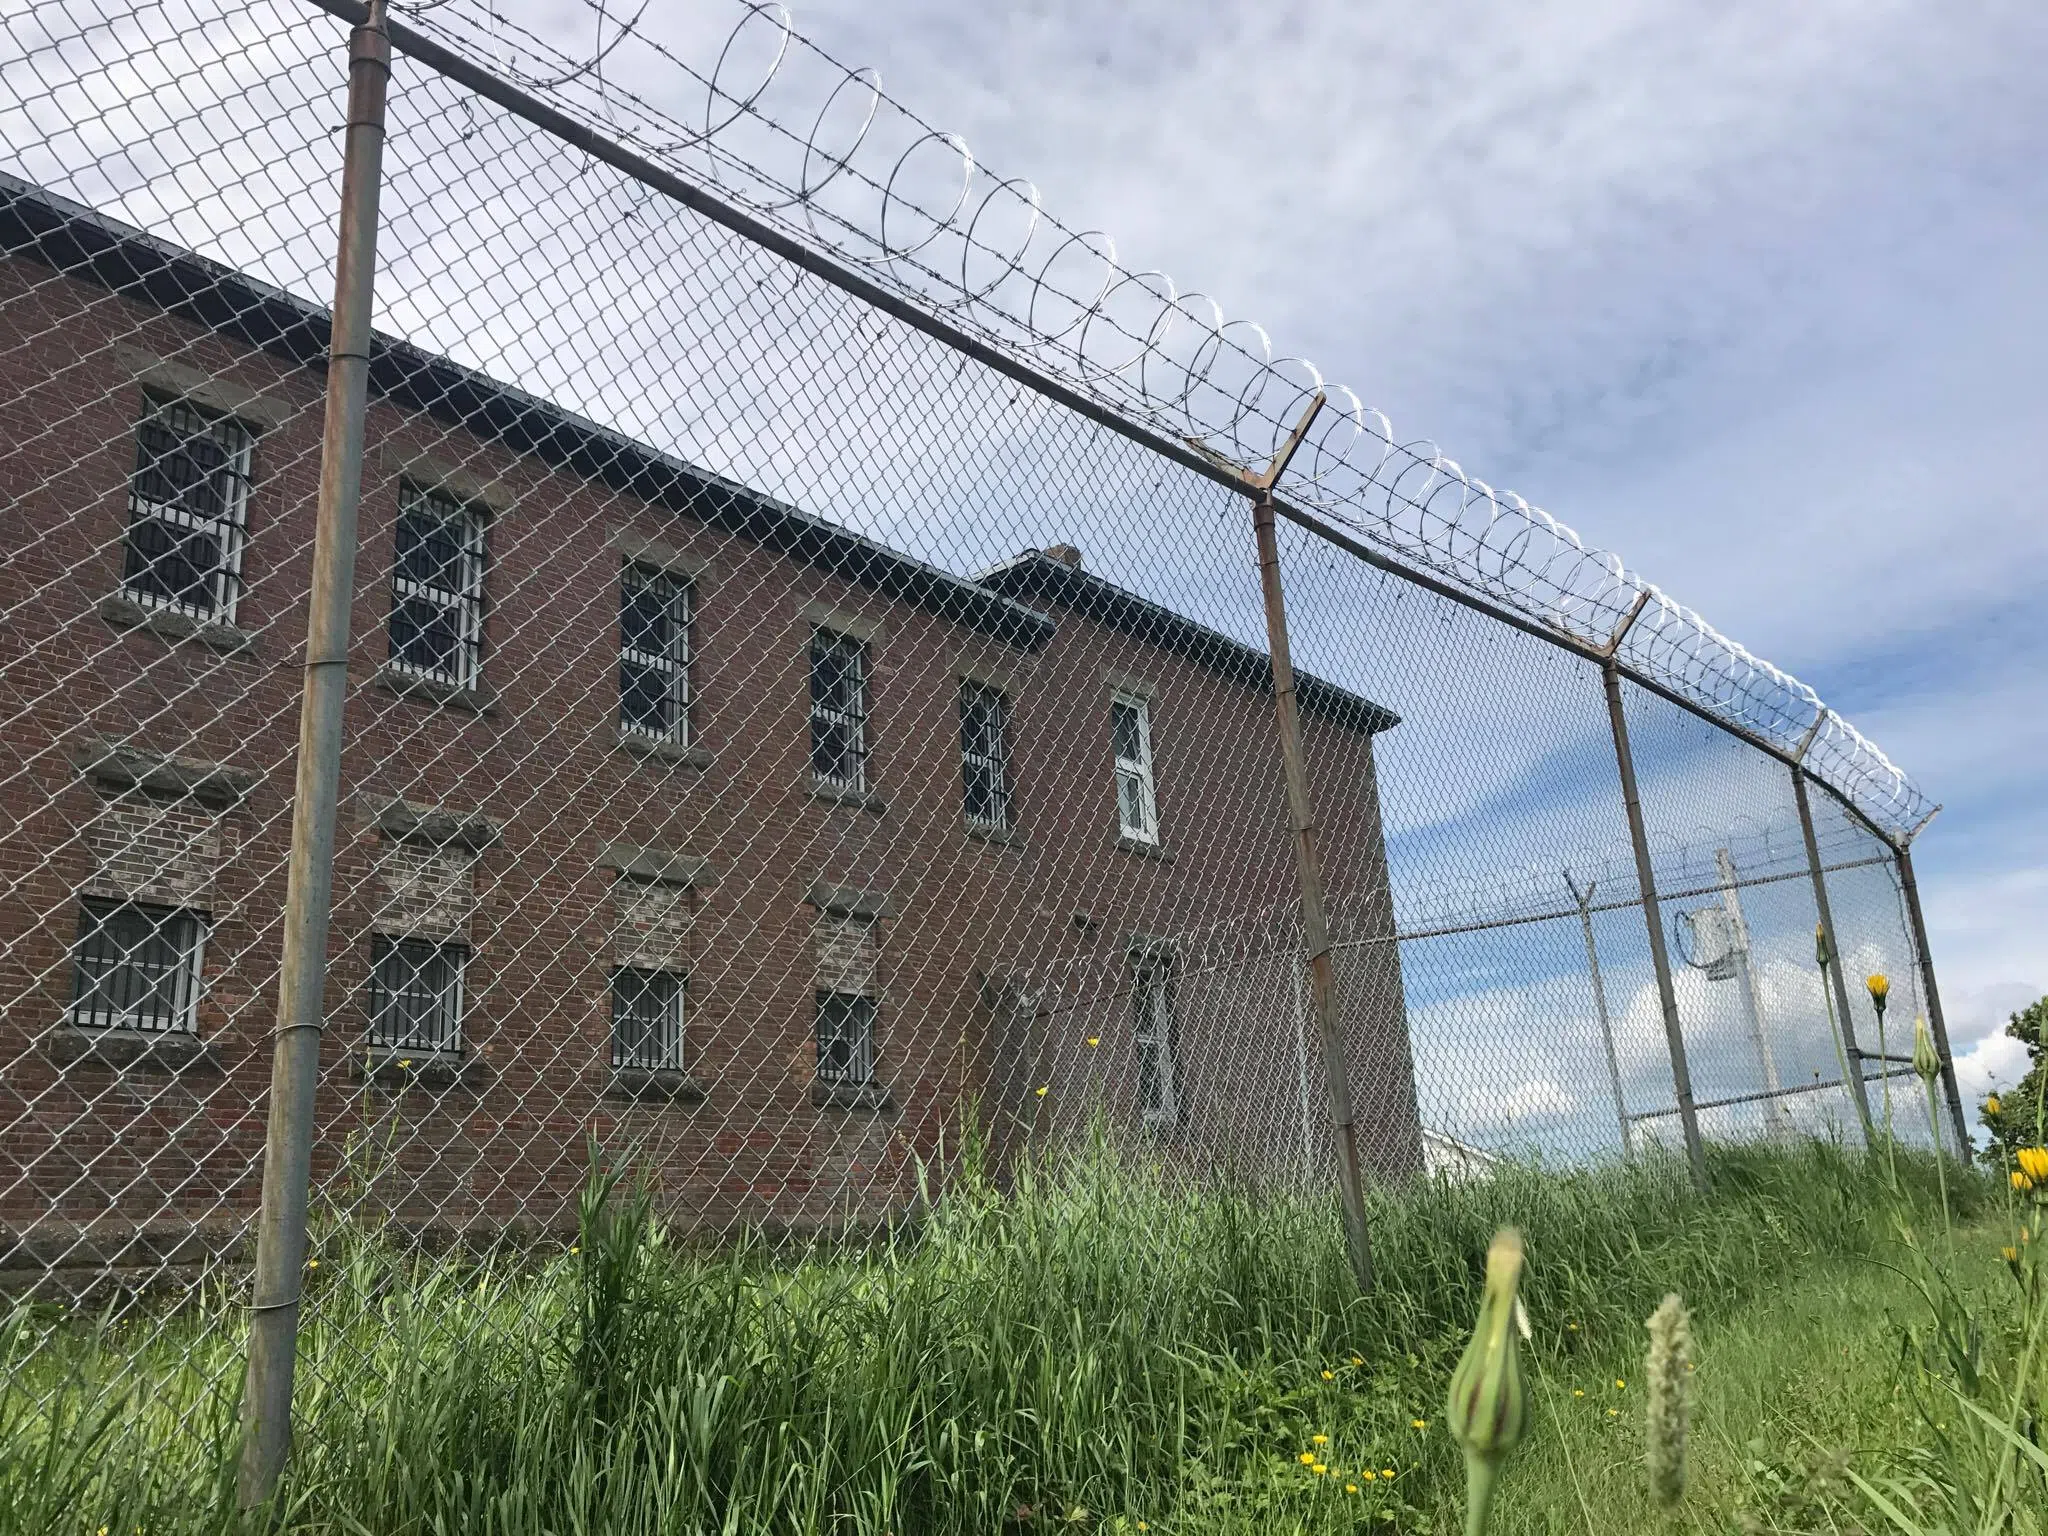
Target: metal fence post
[
  {"x": 1935, "y": 1021},
  {"x": 295, "y": 1063},
  {"x": 1584, "y": 900},
  {"x": 1859, "y": 1094},
  {"x": 1752, "y": 1006},
  {"x": 1646, "y": 880},
  {"x": 1315, "y": 921}
]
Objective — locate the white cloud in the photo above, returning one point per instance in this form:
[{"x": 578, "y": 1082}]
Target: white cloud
[{"x": 1746, "y": 292}]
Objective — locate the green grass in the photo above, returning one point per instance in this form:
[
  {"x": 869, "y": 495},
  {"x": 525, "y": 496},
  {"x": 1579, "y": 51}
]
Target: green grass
[{"x": 1095, "y": 1349}]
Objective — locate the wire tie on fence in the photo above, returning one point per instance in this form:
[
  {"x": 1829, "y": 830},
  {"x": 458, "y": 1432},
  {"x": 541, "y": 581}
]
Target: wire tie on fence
[
  {"x": 313, "y": 1024},
  {"x": 276, "y": 1306}
]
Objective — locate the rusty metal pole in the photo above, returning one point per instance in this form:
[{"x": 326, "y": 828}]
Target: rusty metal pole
[
  {"x": 1935, "y": 1021},
  {"x": 1646, "y": 881},
  {"x": 295, "y": 1062},
  {"x": 1315, "y": 921},
  {"x": 1859, "y": 1093}
]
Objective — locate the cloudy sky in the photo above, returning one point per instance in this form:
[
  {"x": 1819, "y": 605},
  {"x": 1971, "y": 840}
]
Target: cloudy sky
[
  {"x": 1755, "y": 295},
  {"x": 1752, "y": 294}
]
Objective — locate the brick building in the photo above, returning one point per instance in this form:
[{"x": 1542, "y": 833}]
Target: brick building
[{"x": 670, "y": 812}]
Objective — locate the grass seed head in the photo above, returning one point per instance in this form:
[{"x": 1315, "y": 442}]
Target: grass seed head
[{"x": 1665, "y": 1374}]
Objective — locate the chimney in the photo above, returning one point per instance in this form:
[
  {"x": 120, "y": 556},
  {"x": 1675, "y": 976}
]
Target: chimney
[{"x": 1066, "y": 554}]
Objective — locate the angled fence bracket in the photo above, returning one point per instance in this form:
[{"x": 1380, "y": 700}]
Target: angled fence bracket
[{"x": 1628, "y": 622}]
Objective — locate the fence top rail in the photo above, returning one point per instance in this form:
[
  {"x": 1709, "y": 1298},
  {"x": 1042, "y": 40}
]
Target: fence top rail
[{"x": 816, "y": 161}]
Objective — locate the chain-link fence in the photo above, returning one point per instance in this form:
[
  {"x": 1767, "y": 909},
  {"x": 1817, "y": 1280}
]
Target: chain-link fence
[{"x": 806, "y": 699}]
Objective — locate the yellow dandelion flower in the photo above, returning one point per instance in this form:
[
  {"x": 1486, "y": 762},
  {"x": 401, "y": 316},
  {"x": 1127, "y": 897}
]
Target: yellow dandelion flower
[
  {"x": 1358, "y": 1359},
  {"x": 1573, "y": 1327},
  {"x": 2009, "y": 1254},
  {"x": 1418, "y": 1423},
  {"x": 1320, "y": 1470},
  {"x": 2020, "y": 1181},
  {"x": 1578, "y": 1391},
  {"x": 2034, "y": 1163},
  {"x": 1042, "y": 1088},
  {"x": 1094, "y": 1041},
  {"x": 1308, "y": 1458},
  {"x": 406, "y": 1062},
  {"x": 1318, "y": 1439},
  {"x": 574, "y": 1248},
  {"x": 1880, "y": 988},
  {"x": 1619, "y": 1384},
  {"x": 1614, "y": 1413},
  {"x": 1992, "y": 1106},
  {"x": 1329, "y": 1375},
  {"x": 312, "y": 1263},
  {"x": 1351, "y": 1487},
  {"x": 1387, "y": 1473}
]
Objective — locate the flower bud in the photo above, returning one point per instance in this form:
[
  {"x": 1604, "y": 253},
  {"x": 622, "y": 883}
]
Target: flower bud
[
  {"x": 1880, "y": 990},
  {"x": 1665, "y": 1409},
  {"x": 1820, "y": 945},
  {"x": 1992, "y": 1106},
  {"x": 1486, "y": 1410},
  {"x": 2033, "y": 1163},
  {"x": 1925, "y": 1062}
]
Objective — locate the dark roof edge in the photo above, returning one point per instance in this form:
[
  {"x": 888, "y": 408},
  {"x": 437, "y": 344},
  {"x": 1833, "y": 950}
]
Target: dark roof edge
[
  {"x": 76, "y": 241},
  {"x": 1036, "y": 576}
]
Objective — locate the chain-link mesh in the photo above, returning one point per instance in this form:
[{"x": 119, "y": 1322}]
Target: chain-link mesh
[{"x": 785, "y": 744}]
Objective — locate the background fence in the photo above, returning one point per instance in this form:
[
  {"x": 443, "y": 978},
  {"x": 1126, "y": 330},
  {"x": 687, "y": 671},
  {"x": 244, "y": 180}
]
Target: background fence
[{"x": 807, "y": 696}]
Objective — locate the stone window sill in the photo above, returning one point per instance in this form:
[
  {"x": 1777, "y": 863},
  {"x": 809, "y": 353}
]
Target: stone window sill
[
  {"x": 1002, "y": 837},
  {"x": 478, "y": 699},
  {"x": 838, "y": 794},
  {"x": 870, "y": 1096},
  {"x": 689, "y": 754},
  {"x": 1143, "y": 850},
  {"x": 654, "y": 1083},
  {"x": 395, "y": 1069},
  {"x": 146, "y": 1050},
  {"x": 124, "y": 612}
]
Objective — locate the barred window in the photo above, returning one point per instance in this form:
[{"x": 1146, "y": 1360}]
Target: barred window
[
  {"x": 985, "y": 755},
  {"x": 416, "y": 993},
  {"x": 654, "y": 654},
  {"x": 1153, "y": 1026},
  {"x": 136, "y": 966},
  {"x": 647, "y": 1019},
  {"x": 846, "y": 1037},
  {"x": 1130, "y": 733},
  {"x": 186, "y": 507},
  {"x": 839, "y": 709},
  {"x": 437, "y": 587}
]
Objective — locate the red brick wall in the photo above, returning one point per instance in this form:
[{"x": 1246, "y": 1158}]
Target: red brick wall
[{"x": 87, "y": 1151}]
